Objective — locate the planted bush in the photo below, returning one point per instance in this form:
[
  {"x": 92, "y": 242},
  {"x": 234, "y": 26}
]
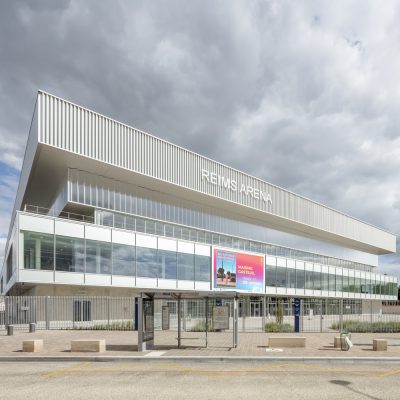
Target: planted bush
[
  {"x": 363, "y": 327},
  {"x": 275, "y": 327},
  {"x": 201, "y": 327}
]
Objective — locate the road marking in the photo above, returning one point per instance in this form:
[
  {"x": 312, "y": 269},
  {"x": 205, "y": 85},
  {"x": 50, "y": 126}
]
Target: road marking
[
  {"x": 63, "y": 371},
  {"x": 391, "y": 373},
  {"x": 155, "y": 354},
  {"x": 88, "y": 367}
]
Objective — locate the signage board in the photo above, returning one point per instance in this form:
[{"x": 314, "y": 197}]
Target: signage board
[
  {"x": 220, "y": 318},
  {"x": 238, "y": 271},
  {"x": 165, "y": 318}
]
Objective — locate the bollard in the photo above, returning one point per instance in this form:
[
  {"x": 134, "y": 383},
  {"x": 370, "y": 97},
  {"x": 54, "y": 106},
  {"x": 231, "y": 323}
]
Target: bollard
[
  {"x": 32, "y": 327},
  {"x": 10, "y": 330}
]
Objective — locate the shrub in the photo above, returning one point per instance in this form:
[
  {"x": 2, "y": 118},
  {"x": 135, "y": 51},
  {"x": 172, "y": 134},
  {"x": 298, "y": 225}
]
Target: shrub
[
  {"x": 279, "y": 315},
  {"x": 113, "y": 326},
  {"x": 201, "y": 327},
  {"x": 363, "y": 327},
  {"x": 275, "y": 327}
]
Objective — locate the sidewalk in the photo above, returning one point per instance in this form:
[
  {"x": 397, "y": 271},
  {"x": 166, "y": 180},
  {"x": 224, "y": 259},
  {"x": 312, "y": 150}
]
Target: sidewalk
[{"x": 124, "y": 343}]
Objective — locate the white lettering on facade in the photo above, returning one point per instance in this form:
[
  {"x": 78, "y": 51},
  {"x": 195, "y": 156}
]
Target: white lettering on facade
[{"x": 231, "y": 184}]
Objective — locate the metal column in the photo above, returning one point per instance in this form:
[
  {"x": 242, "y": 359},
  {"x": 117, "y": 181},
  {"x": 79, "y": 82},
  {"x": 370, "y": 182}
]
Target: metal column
[
  {"x": 141, "y": 345},
  {"x": 235, "y": 322},
  {"x": 341, "y": 315},
  {"x": 179, "y": 322},
  {"x": 264, "y": 307},
  {"x": 206, "y": 322}
]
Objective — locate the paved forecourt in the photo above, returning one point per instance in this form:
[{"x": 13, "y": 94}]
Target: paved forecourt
[{"x": 124, "y": 343}]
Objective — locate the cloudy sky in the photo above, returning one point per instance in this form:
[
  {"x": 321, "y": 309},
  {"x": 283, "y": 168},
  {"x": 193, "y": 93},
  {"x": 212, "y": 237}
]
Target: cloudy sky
[{"x": 305, "y": 95}]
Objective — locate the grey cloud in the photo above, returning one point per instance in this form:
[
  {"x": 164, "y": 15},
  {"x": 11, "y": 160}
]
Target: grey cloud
[{"x": 302, "y": 95}]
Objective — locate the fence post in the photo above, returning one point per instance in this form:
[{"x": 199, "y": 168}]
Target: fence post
[
  {"x": 206, "y": 322},
  {"x": 179, "y": 322},
  {"x": 108, "y": 312},
  {"x": 341, "y": 315},
  {"x": 236, "y": 320},
  {"x": 6, "y": 316},
  {"x": 263, "y": 313},
  {"x": 371, "y": 321},
  {"x": 47, "y": 312},
  {"x": 320, "y": 309}
]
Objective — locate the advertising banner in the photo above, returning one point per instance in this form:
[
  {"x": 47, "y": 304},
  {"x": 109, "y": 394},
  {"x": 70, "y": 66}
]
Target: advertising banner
[{"x": 233, "y": 270}]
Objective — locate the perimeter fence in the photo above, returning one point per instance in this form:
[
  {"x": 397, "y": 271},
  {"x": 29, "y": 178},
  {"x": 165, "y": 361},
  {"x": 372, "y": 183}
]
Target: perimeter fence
[{"x": 254, "y": 315}]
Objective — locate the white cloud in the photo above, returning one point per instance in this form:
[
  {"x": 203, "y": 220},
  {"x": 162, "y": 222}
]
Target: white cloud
[{"x": 302, "y": 94}]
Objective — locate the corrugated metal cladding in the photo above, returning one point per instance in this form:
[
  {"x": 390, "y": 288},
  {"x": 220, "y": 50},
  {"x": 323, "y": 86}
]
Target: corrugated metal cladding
[{"x": 73, "y": 128}]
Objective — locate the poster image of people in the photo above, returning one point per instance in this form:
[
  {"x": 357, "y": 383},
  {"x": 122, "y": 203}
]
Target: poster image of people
[
  {"x": 243, "y": 272},
  {"x": 225, "y": 269}
]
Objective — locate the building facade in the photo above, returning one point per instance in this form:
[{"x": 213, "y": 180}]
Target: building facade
[{"x": 105, "y": 209}]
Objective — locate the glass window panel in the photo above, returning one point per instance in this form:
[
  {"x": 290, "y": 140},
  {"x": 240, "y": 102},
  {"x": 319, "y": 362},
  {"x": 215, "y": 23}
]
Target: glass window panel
[
  {"x": 38, "y": 251},
  {"x": 123, "y": 259},
  {"x": 281, "y": 276},
  {"x": 140, "y": 225},
  {"x": 186, "y": 266},
  {"x": 202, "y": 268},
  {"x": 169, "y": 230},
  {"x": 108, "y": 218},
  {"x": 339, "y": 282},
  {"x": 119, "y": 221},
  {"x": 150, "y": 227},
  {"x": 167, "y": 264},
  {"x": 70, "y": 254},
  {"x": 324, "y": 281},
  {"x": 159, "y": 229},
  {"x": 130, "y": 223},
  {"x": 317, "y": 280},
  {"x": 300, "y": 278},
  {"x": 291, "y": 278},
  {"x": 345, "y": 283},
  {"x": 270, "y": 275},
  {"x": 98, "y": 257},
  {"x": 309, "y": 280},
  {"x": 185, "y": 233},
  {"x": 332, "y": 282},
  {"x": 146, "y": 262}
]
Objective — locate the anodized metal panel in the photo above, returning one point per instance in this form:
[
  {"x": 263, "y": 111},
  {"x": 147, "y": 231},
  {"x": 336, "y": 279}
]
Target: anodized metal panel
[
  {"x": 98, "y": 233},
  {"x": 75, "y": 129},
  {"x": 69, "y": 228},
  {"x": 123, "y": 281},
  {"x": 123, "y": 237},
  {"x": 73, "y": 278},
  {"x": 36, "y": 224},
  {"x": 202, "y": 250}
]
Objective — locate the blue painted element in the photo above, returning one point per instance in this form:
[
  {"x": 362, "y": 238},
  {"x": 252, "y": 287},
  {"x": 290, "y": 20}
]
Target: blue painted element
[{"x": 297, "y": 312}]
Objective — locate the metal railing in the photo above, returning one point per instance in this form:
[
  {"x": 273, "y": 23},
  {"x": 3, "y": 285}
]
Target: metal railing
[{"x": 265, "y": 315}]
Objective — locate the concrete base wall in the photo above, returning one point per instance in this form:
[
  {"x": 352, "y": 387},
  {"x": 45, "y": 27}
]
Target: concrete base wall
[
  {"x": 371, "y": 306},
  {"x": 72, "y": 290}
]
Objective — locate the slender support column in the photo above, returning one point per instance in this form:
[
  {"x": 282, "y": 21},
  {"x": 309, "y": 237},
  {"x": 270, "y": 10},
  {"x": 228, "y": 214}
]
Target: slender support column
[
  {"x": 206, "y": 322},
  {"x": 235, "y": 322},
  {"x": 179, "y": 322},
  {"x": 341, "y": 315},
  {"x": 47, "y": 309},
  {"x": 141, "y": 344},
  {"x": 38, "y": 246},
  {"x": 264, "y": 312}
]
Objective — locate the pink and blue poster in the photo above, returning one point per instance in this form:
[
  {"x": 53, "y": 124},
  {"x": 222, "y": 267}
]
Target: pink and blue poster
[{"x": 238, "y": 271}]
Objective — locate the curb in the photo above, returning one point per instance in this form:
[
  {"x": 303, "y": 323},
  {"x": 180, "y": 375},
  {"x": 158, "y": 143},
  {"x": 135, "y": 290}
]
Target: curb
[{"x": 231, "y": 359}]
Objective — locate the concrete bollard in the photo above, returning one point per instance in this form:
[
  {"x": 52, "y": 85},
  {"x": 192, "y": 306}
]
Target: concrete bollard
[
  {"x": 32, "y": 327},
  {"x": 10, "y": 330}
]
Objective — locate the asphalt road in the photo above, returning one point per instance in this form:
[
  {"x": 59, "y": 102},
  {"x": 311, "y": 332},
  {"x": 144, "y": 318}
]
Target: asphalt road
[{"x": 160, "y": 379}]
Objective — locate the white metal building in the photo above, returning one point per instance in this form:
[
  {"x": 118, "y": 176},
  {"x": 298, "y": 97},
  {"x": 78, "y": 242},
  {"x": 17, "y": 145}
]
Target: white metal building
[{"x": 105, "y": 209}]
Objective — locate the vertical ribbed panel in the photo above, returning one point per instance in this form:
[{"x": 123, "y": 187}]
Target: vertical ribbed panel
[{"x": 75, "y": 129}]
